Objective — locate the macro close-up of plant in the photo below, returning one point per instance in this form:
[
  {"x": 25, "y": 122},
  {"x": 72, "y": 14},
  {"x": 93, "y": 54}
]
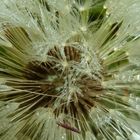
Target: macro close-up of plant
[{"x": 69, "y": 69}]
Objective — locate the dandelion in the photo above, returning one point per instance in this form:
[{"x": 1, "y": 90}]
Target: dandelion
[{"x": 69, "y": 69}]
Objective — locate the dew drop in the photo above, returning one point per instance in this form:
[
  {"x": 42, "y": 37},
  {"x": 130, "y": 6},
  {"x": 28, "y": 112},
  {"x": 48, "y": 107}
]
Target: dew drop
[{"x": 7, "y": 106}]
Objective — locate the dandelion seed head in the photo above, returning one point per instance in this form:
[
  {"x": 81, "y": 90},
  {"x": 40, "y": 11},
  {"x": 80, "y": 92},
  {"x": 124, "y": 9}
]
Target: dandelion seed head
[{"x": 67, "y": 73}]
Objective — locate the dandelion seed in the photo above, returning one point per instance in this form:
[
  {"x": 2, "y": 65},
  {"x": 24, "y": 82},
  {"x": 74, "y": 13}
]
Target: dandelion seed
[{"x": 66, "y": 126}]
